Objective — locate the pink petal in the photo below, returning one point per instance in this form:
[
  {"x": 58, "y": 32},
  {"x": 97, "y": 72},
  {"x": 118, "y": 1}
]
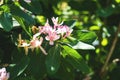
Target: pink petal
[
  {"x": 51, "y": 43},
  {"x": 43, "y": 50}
]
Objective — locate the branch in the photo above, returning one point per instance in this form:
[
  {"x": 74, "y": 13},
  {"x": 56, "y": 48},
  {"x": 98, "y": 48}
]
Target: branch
[{"x": 104, "y": 68}]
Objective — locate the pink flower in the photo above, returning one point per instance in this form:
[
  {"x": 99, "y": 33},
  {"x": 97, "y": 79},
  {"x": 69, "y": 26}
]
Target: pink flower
[
  {"x": 47, "y": 23},
  {"x": 45, "y": 29},
  {"x": 52, "y": 36},
  {"x": 3, "y": 74},
  {"x": 23, "y": 44},
  {"x": 36, "y": 42},
  {"x": 68, "y": 32},
  {"x": 55, "y": 21},
  {"x": 53, "y": 32},
  {"x": 36, "y": 35},
  {"x": 61, "y": 30},
  {"x": 65, "y": 31}
]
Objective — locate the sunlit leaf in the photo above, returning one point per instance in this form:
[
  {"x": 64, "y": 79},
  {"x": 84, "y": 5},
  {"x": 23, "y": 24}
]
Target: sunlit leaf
[
  {"x": 118, "y": 1},
  {"x": 85, "y": 36},
  {"x": 82, "y": 45},
  {"x": 104, "y": 42},
  {"x": 76, "y": 44},
  {"x": 94, "y": 28},
  {"x": 75, "y": 59}
]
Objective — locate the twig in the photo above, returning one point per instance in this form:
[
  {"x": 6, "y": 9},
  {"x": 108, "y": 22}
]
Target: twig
[{"x": 104, "y": 68}]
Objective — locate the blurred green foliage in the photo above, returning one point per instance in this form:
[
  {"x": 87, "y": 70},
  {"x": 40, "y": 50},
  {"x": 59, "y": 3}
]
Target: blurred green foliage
[{"x": 87, "y": 16}]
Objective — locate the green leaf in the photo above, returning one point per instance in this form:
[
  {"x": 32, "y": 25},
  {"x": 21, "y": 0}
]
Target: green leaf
[
  {"x": 53, "y": 60},
  {"x": 117, "y": 1},
  {"x": 75, "y": 59},
  {"x": 34, "y": 6},
  {"x": 65, "y": 71},
  {"x": 25, "y": 78},
  {"x": 70, "y": 23},
  {"x": 85, "y": 36},
  {"x": 82, "y": 45},
  {"x": 36, "y": 66},
  {"x": 21, "y": 22},
  {"x": 25, "y": 5},
  {"x": 5, "y": 8},
  {"x": 18, "y": 68},
  {"x": 16, "y": 11},
  {"x": 76, "y": 44},
  {"x": 106, "y": 12},
  {"x": 6, "y": 21}
]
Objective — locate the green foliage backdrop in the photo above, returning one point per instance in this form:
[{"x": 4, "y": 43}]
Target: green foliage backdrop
[{"x": 92, "y": 52}]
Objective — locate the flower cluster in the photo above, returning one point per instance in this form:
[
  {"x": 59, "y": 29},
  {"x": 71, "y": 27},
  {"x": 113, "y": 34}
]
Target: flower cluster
[
  {"x": 51, "y": 33},
  {"x": 54, "y": 32},
  {"x": 3, "y": 74}
]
